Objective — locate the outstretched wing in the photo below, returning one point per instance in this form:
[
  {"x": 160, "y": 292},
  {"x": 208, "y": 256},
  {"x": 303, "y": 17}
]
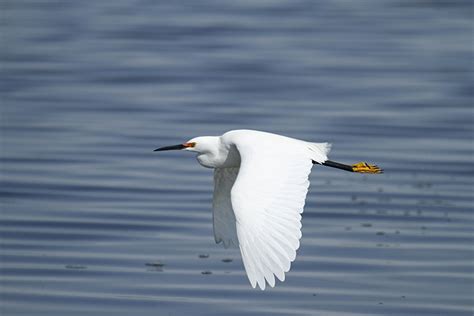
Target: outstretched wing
[
  {"x": 222, "y": 213},
  {"x": 267, "y": 198}
]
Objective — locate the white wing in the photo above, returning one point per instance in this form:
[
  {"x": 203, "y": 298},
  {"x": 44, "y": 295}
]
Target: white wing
[
  {"x": 223, "y": 215},
  {"x": 267, "y": 198}
]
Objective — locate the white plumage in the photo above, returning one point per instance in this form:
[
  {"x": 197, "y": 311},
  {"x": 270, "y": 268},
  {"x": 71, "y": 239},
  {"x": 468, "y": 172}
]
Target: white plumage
[
  {"x": 267, "y": 198},
  {"x": 260, "y": 186}
]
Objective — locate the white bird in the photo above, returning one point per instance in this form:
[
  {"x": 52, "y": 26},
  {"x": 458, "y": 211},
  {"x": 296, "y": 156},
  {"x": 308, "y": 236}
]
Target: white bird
[{"x": 260, "y": 186}]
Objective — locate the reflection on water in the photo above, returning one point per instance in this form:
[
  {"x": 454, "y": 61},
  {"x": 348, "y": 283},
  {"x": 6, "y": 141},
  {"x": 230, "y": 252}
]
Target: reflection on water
[{"x": 92, "y": 221}]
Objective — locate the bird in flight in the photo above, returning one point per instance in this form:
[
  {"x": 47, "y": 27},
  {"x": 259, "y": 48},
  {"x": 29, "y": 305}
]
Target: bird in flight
[{"x": 260, "y": 186}]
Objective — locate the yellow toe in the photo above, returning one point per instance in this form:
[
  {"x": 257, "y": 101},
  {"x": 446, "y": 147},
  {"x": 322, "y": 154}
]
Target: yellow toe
[{"x": 363, "y": 167}]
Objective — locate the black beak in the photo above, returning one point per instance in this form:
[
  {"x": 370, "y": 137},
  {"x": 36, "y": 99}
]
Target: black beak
[{"x": 174, "y": 147}]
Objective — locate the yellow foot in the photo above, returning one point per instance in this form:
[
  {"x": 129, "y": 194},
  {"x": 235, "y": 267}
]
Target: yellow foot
[{"x": 364, "y": 167}]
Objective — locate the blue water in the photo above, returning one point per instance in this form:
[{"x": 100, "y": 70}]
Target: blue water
[{"x": 94, "y": 223}]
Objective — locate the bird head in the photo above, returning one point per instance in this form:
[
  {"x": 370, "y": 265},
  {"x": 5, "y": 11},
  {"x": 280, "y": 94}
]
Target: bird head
[{"x": 200, "y": 144}]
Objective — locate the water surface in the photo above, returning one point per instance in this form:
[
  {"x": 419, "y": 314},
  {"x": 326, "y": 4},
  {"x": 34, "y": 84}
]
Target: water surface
[{"x": 93, "y": 222}]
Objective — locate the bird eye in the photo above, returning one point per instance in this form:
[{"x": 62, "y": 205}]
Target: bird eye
[{"x": 191, "y": 145}]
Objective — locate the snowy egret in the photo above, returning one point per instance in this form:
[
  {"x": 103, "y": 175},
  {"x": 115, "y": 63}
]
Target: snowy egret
[{"x": 260, "y": 186}]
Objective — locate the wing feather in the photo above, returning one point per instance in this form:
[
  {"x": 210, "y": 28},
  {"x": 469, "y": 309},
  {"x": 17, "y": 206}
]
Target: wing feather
[
  {"x": 267, "y": 198},
  {"x": 258, "y": 206},
  {"x": 222, "y": 212}
]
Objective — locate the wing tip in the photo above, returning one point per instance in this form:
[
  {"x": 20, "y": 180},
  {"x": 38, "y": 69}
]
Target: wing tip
[
  {"x": 253, "y": 283},
  {"x": 262, "y": 285}
]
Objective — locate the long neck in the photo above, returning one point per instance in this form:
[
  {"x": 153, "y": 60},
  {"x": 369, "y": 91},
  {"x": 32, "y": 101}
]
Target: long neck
[
  {"x": 211, "y": 152},
  {"x": 216, "y": 154}
]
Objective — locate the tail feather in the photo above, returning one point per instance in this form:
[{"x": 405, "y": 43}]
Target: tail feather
[{"x": 319, "y": 151}]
